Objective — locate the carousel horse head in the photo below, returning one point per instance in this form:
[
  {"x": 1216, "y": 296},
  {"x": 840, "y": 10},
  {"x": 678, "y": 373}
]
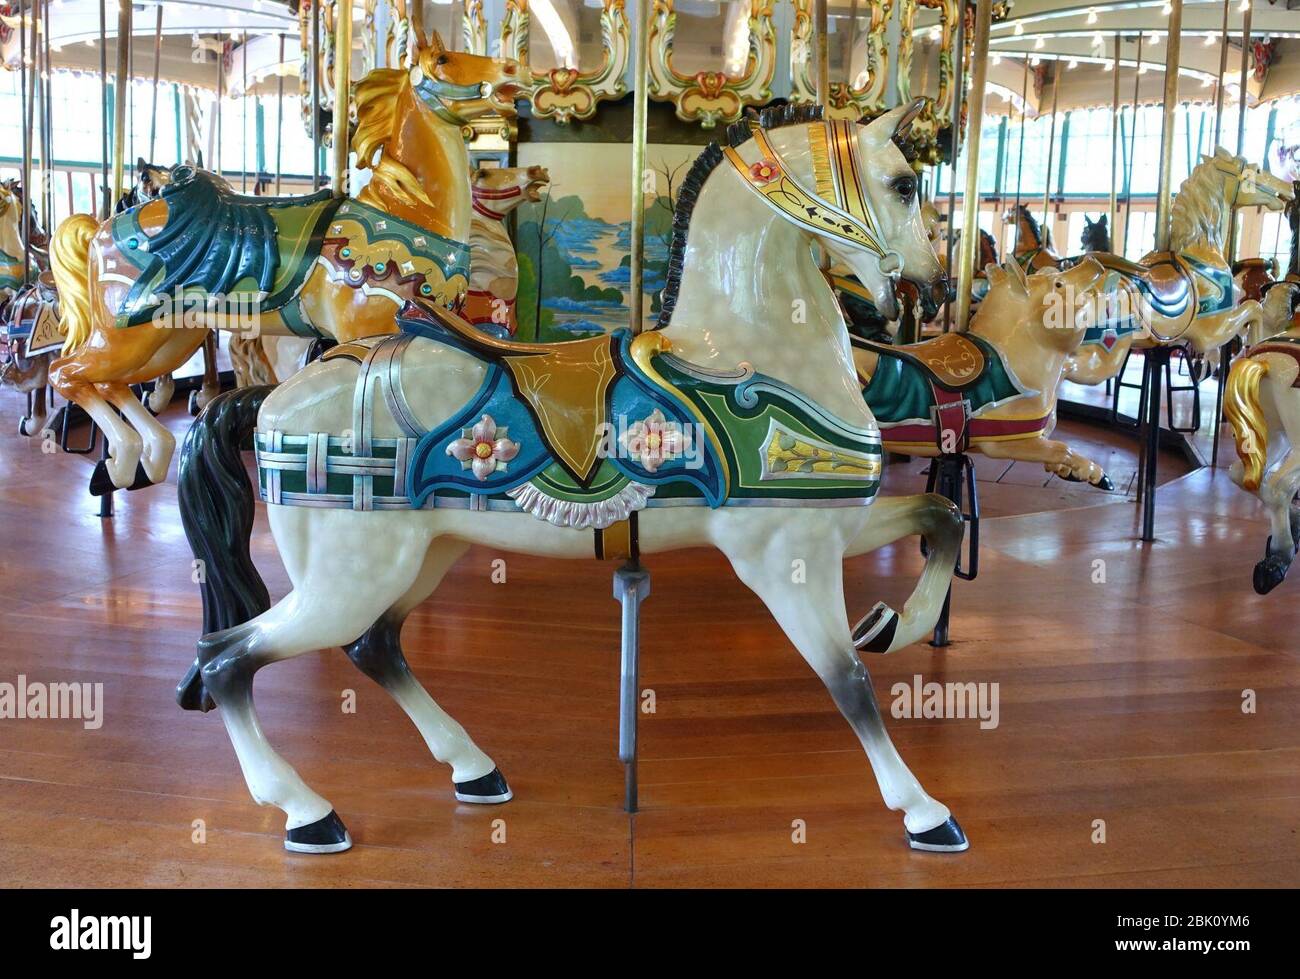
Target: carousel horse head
[
  {"x": 1058, "y": 305},
  {"x": 1028, "y": 224},
  {"x": 863, "y": 192},
  {"x": 1248, "y": 185},
  {"x": 499, "y": 190},
  {"x": 1220, "y": 184},
  {"x": 1096, "y": 234},
  {"x": 458, "y": 86}
]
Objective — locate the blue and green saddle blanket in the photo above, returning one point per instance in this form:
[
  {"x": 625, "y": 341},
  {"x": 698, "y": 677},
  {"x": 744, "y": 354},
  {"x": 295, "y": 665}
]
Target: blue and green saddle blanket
[
  {"x": 644, "y": 428},
  {"x": 255, "y": 251}
]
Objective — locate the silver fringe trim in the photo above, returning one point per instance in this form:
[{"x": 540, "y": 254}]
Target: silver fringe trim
[{"x": 582, "y": 516}]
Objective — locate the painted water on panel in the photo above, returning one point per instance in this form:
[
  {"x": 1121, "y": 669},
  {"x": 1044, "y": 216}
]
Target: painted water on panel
[{"x": 576, "y": 239}]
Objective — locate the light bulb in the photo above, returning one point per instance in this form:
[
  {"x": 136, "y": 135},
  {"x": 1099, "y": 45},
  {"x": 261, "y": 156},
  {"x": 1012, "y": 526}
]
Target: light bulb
[
  {"x": 1245, "y": 5},
  {"x": 997, "y": 59},
  {"x": 1020, "y": 28},
  {"x": 1035, "y": 60},
  {"x": 1167, "y": 9},
  {"x": 1039, "y": 44},
  {"x": 1092, "y": 15},
  {"x": 1110, "y": 66},
  {"x": 1209, "y": 39},
  {"x": 1074, "y": 63}
]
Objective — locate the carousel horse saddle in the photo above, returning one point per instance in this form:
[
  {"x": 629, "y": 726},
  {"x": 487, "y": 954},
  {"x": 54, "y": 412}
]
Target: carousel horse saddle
[
  {"x": 199, "y": 236},
  {"x": 581, "y": 434},
  {"x": 920, "y": 390}
]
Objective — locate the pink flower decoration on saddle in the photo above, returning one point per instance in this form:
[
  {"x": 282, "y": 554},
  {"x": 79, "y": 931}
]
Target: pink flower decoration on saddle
[
  {"x": 764, "y": 171},
  {"x": 652, "y": 441},
  {"x": 483, "y": 448}
]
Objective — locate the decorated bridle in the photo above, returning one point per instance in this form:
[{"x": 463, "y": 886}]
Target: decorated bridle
[
  {"x": 839, "y": 207},
  {"x": 484, "y": 194},
  {"x": 439, "y": 96}
]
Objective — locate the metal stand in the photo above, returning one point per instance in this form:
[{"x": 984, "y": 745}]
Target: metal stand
[
  {"x": 953, "y": 478},
  {"x": 631, "y": 588},
  {"x": 1157, "y": 362}
]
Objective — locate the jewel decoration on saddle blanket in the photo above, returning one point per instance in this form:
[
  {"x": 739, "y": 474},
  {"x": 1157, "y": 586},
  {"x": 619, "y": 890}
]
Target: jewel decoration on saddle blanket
[{"x": 580, "y": 434}]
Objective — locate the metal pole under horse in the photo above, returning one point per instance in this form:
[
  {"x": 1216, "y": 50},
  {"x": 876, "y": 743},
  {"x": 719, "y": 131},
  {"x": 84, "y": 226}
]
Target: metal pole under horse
[
  {"x": 631, "y": 581},
  {"x": 1157, "y": 358},
  {"x": 970, "y": 198}
]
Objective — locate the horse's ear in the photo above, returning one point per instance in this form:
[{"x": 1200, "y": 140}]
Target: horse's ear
[
  {"x": 436, "y": 45},
  {"x": 896, "y": 124},
  {"x": 1016, "y": 274}
]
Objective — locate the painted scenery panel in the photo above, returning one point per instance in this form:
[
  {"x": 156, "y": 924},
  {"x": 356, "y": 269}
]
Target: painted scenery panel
[{"x": 575, "y": 241}]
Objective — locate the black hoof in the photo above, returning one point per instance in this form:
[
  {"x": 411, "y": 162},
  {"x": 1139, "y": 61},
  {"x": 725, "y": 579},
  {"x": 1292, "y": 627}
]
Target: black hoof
[
  {"x": 875, "y": 632},
  {"x": 194, "y": 403},
  {"x": 1105, "y": 484},
  {"x": 326, "y": 835},
  {"x": 101, "y": 484},
  {"x": 947, "y": 837},
  {"x": 1270, "y": 573},
  {"x": 489, "y": 789}
]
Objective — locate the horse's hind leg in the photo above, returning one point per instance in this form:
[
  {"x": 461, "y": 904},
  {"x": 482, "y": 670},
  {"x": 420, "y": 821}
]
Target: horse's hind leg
[
  {"x": 157, "y": 444},
  {"x": 124, "y": 443},
  {"x": 378, "y": 654},
  {"x": 346, "y": 584},
  {"x": 1277, "y": 492},
  {"x": 812, "y": 614}
]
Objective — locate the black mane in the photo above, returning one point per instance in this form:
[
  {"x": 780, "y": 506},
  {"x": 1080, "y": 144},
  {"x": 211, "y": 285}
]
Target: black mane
[{"x": 737, "y": 134}]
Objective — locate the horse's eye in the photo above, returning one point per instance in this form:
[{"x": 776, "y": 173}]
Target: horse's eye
[
  {"x": 442, "y": 59},
  {"x": 905, "y": 187}
]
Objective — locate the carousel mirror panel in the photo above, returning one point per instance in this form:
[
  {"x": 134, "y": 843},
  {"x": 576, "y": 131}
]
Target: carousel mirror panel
[
  {"x": 577, "y": 51},
  {"x": 711, "y": 59}
]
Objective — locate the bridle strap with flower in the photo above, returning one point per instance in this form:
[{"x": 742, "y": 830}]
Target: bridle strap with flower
[{"x": 840, "y": 207}]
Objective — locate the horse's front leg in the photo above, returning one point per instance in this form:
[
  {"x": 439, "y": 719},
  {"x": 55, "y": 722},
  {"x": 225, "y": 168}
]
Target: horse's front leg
[
  {"x": 1056, "y": 457},
  {"x": 1277, "y": 491},
  {"x": 793, "y": 561},
  {"x": 939, "y": 522}
]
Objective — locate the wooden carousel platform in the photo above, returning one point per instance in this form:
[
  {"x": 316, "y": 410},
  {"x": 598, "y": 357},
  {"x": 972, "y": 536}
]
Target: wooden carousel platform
[{"x": 1119, "y": 702}]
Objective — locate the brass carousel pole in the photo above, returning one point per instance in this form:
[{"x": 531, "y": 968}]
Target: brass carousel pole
[
  {"x": 122, "y": 93},
  {"x": 640, "y": 107},
  {"x": 959, "y": 94},
  {"x": 1114, "y": 146},
  {"x": 25, "y": 72},
  {"x": 342, "y": 95},
  {"x": 157, "y": 71},
  {"x": 279, "y": 121},
  {"x": 315, "y": 94},
  {"x": 821, "y": 15},
  {"x": 1132, "y": 147},
  {"x": 1020, "y": 158},
  {"x": 1223, "y": 70},
  {"x": 106, "y": 202},
  {"x": 1157, "y": 357},
  {"x": 970, "y": 197},
  {"x": 1245, "y": 94},
  {"x": 1051, "y": 147}
]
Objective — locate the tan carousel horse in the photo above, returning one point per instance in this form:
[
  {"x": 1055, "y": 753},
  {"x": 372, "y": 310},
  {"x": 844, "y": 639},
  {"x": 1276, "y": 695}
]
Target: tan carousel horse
[
  {"x": 993, "y": 389},
  {"x": 1185, "y": 296},
  {"x": 29, "y": 325},
  {"x": 141, "y": 291}
]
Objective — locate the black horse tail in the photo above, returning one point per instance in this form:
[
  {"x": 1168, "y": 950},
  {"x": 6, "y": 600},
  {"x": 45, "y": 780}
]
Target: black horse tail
[{"x": 216, "y": 501}]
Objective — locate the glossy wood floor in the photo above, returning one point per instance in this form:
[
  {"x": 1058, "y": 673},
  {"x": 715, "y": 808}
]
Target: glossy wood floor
[{"x": 1119, "y": 702}]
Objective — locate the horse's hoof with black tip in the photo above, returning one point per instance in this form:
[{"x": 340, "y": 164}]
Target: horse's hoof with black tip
[
  {"x": 1105, "y": 484},
  {"x": 488, "y": 789},
  {"x": 326, "y": 835},
  {"x": 1269, "y": 573},
  {"x": 194, "y": 403},
  {"x": 101, "y": 483},
  {"x": 947, "y": 837},
  {"x": 875, "y": 633}
]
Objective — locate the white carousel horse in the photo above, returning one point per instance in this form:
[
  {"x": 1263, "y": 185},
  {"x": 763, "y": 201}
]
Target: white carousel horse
[
  {"x": 493, "y": 267},
  {"x": 1262, "y": 403},
  {"x": 721, "y": 451}
]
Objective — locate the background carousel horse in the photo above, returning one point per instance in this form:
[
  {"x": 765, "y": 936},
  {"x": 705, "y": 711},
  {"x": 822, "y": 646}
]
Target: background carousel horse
[
  {"x": 140, "y": 292},
  {"x": 1262, "y": 404},
  {"x": 1185, "y": 296},
  {"x": 1034, "y": 249},
  {"x": 28, "y": 312},
  {"x": 722, "y": 391},
  {"x": 493, "y": 267},
  {"x": 992, "y": 389}
]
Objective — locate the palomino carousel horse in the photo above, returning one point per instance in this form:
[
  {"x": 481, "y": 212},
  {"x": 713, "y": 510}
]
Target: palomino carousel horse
[
  {"x": 1262, "y": 403},
  {"x": 140, "y": 292},
  {"x": 493, "y": 267},
  {"x": 29, "y": 326},
  {"x": 725, "y": 425},
  {"x": 1034, "y": 249},
  {"x": 1185, "y": 296},
  {"x": 992, "y": 389}
]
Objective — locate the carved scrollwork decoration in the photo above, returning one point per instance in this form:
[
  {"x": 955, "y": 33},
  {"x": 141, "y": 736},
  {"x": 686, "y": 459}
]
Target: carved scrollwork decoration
[
  {"x": 474, "y": 28},
  {"x": 711, "y": 97},
  {"x": 937, "y": 115},
  {"x": 566, "y": 93},
  {"x": 862, "y": 96}
]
